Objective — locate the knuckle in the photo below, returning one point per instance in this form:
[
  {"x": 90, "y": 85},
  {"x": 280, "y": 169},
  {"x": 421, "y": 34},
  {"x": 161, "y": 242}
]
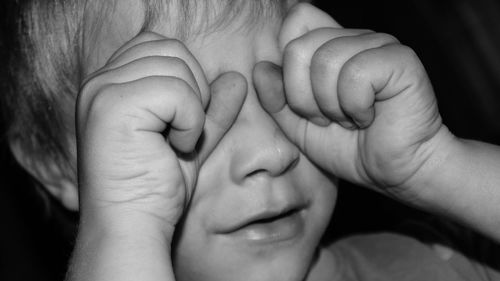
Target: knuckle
[
  {"x": 408, "y": 52},
  {"x": 174, "y": 47},
  {"x": 104, "y": 100},
  {"x": 176, "y": 62},
  {"x": 173, "y": 84},
  {"x": 171, "y": 64},
  {"x": 234, "y": 76},
  {"x": 150, "y": 36},
  {"x": 326, "y": 57},
  {"x": 301, "y": 8},
  {"x": 386, "y": 38},
  {"x": 197, "y": 118},
  {"x": 95, "y": 106},
  {"x": 412, "y": 61},
  {"x": 88, "y": 90},
  {"x": 298, "y": 103},
  {"x": 193, "y": 114},
  {"x": 332, "y": 110},
  {"x": 367, "y": 31},
  {"x": 162, "y": 46},
  {"x": 294, "y": 104},
  {"x": 87, "y": 86},
  {"x": 354, "y": 70},
  {"x": 295, "y": 50}
]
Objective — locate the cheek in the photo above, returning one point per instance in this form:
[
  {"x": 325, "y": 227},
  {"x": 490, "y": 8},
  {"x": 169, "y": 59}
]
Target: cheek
[
  {"x": 322, "y": 190},
  {"x": 321, "y": 187},
  {"x": 200, "y": 255}
]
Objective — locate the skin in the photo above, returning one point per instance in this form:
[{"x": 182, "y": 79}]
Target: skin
[
  {"x": 244, "y": 166},
  {"x": 366, "y": 100},
  {"x": 291, "y": 92}
]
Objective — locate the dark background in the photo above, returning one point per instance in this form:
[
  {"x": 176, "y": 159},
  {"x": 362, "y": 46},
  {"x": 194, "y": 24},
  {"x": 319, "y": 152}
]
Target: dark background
[{"x": 458, "y": 42}]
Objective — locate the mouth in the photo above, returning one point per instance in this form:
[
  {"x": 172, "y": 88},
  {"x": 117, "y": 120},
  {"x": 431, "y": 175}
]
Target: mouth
[{"x": 273, "y": 226}]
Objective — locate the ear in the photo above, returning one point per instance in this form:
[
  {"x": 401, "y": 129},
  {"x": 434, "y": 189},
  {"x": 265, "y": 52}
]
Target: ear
[
  {"x": 302, "y": 18},
  {"x": 50, "y": 175}
]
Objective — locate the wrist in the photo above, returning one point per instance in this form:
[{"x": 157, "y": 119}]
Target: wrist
[
  {"x": 428, "y": 185},
  {"x": 463, "y": 185},
  {"x": 126, "y": 223},
  {"x": 446, "y": 183},
  {"x": 133, "y": 250}
]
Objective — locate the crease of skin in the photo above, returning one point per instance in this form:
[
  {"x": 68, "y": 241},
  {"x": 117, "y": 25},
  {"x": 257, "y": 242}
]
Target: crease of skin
[
  {"x": 281, "y": 157},
  {"x": 303, "y": 144},
  {"x": 204, "y": 212},
  {"x": 279, "y": 139}
]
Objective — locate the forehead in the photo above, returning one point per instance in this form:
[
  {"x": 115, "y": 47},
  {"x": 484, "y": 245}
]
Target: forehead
[
  {"x": 111, "y": 23},
  {"x": 116, "y": 22},
  {"x": 108, "y": 24}
]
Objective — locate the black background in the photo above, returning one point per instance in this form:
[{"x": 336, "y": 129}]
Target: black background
[{"x": 458, "y": 42}]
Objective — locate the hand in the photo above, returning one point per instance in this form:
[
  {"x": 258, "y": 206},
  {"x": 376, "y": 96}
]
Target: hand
[
  {"x": 145, "y": 125},
  {"x": 358, "y": 103}
]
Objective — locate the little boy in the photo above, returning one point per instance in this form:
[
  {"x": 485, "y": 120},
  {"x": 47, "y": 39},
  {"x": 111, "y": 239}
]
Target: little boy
[{"x": 208, "y": 135}]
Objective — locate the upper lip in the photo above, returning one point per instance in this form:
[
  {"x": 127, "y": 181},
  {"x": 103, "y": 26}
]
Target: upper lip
[{"x": 263, "y": 216}]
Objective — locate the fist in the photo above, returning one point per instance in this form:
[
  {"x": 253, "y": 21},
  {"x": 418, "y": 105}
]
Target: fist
[
  {"x": 146, "y": 121},
  {"x": 358, "y": 103}
]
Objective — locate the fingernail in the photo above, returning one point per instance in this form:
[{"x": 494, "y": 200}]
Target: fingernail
[
  {"x": 358, "y": 123},
  {"x": 347, "y": 124},
  {"x": 320, "y": 121}
]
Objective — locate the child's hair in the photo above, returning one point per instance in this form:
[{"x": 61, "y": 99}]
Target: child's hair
[{"x": 42, "y": 51}]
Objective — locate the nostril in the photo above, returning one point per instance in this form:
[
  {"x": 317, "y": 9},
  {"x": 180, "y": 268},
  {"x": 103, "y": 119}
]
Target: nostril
[
  {"x": 260, "y": 150},
  {"x": 255, "y": 173},
  {"x": 285, "y": 168},
  {"x": 292, "y": 165}
]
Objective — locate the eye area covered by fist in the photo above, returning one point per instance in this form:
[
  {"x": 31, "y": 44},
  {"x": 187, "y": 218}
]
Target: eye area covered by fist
[
  {"x": 357, "y": 103},
  {"x": 149, "y": 105}
]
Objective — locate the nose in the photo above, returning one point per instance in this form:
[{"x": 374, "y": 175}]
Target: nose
[{"x": 260, "y": 148}]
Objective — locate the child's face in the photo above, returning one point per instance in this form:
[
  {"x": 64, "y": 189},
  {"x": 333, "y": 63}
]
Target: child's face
[{"x": 235, "y": 228}]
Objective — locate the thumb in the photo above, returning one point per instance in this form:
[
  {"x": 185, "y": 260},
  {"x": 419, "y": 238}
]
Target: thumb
[
  {"x": 228, "y": 93},
  {"x": 268, "y": 82},
  {"x": 302, "y": 18}
]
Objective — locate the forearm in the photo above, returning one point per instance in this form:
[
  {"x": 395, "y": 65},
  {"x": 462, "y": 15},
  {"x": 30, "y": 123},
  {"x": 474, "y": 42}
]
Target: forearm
[
  {"x": 103, "y": 252},
  {"x": 465, "y": 185}
]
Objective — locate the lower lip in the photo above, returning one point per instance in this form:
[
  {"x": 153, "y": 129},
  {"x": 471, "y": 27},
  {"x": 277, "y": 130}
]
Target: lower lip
[{"x": 283, "y": 229}]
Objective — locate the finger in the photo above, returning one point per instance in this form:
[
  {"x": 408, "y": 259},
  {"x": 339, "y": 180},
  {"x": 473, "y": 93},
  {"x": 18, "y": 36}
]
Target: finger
[
  {"x": 311, "y": 139},
  {"x": 152, "y": 44},
  {"x": 268, "y": 82},
  {"x": 140, "y": 38},
  {"x": 301, "y": 19},
  {"x": 297, "y": 61},
  {"x": 141, "y": 68},
  {"x": 377, "y": 75},
  {"x": 228, "y": 94},
  {"x": 148, "y": 105},
  {"x": 328, "y": 60}
]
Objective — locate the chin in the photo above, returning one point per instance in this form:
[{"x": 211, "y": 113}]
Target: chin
[
  {"x": 264, "y": 269},
  {"x": 227, "y": 261}
]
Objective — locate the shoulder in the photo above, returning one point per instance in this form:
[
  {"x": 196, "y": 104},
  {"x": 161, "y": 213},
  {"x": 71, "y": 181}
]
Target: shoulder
[{"x": 391, "y": 256}]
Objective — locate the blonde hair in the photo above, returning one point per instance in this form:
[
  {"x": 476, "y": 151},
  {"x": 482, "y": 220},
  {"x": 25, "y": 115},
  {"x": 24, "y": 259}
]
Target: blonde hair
[{"x": 42, "y": 48}]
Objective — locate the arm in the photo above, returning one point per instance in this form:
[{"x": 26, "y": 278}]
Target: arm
[
  {"x": 134, "y": 181},
  {"x": 360, "y": 105},
  {"x": 139, "y": 253},
  {"x": 462, "y": 181}
]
